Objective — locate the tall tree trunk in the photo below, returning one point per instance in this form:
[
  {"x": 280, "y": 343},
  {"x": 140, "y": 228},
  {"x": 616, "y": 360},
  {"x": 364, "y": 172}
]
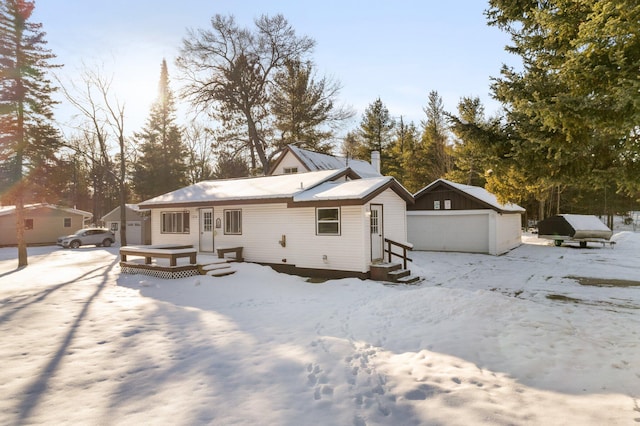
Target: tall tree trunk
[
  {"x": 257, "y": 144},
  {"x": 22, "y": 244}
]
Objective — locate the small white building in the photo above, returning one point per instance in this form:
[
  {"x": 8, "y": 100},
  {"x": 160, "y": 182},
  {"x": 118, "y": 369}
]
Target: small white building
[
  {"x": 138, "y": 224},
  {"x": 449, "y": 216},
  {"x": 330, "y": 222}
]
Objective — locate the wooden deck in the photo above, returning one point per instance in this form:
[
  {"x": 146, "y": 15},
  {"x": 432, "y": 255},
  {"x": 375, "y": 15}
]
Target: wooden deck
[{"x": 162, "y": 252}]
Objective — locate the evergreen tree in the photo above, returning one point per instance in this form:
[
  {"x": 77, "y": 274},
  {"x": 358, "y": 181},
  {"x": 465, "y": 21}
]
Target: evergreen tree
[
  {"x": 376, "y": 133},
  {"x": 401, "y": 154},
  {"x": 573, "y": 109},
  {"x": 476, "y": 149},
  {"x": 28, "y": 141},
  {"x": 161, "y": 167},
  {"x": 304, "y": 109},
  {"x": 435, "y": 140}
]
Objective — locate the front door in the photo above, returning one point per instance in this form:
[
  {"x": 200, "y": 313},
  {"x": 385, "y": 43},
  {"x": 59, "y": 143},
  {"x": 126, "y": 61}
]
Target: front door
[
  {"x": 377, "y": 233},
  {"x": 206, "y": 230}
]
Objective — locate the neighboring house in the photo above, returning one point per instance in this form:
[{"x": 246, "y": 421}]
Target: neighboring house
[
  {"x": 44, "y": 223},
  {"x": 448, "y": 216},
  {"x": 330, "y": 222},
  {"x": 138, "y": 224},
  {"x": 298, "y": 160}
]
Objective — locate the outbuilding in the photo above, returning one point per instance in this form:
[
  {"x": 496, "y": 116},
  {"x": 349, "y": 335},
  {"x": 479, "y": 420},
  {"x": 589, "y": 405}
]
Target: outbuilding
[
  {"x": 138, "y": 224},
  {"x": 43, "y": 223},
  {"x": 449, "y": 216}
]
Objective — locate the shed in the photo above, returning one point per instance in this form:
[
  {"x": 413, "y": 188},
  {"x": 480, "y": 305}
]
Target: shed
[
  {"x": 449, "y": 216},
  {"x": 573, "y": 227},
  {"x": 138, "y": 224},
  {"x": 44, "y": 223}
]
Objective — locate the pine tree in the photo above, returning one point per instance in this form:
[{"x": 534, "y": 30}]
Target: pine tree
[
  {"x": 304, "y": 109},
  {"x": 161, "y": 167},
  {"x": 376, "y": 132},
  {"x": 435, "y": 139},
  {"x": 401, "y": 152},
  {"x": 28, "y": 140}
]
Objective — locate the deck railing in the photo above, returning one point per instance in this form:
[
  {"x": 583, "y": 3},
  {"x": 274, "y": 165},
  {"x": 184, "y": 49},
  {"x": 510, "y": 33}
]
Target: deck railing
[{"x": 390, "y": 252}]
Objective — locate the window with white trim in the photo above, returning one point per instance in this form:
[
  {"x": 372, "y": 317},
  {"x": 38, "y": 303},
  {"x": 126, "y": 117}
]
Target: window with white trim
[
  {"x": 328, "y": 221},
  {"x": 290, "y": 170},
  {"x": 233, "y": 222},
  {"x": 175, "y": 222}
]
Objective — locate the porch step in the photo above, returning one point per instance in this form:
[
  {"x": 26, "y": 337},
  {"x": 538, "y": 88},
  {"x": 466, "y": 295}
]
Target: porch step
[
  {"x": 221, "y": 272},
  {"x": 410, "y": 279},
  {"x": 393, "y": 273},
  {"x": 217, "y": 268}
]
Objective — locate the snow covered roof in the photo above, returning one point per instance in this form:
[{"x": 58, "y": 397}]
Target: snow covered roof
[
  {"x": 476, "y": 192},
  {"x": 7, "y": 210},
  {"x": 134, "y": 208},
  {"x": 585, "y": 222},
  {"x": 300, "y": 187},
  {"x": 352, "y": 189},
  {"x": 317, "y": 161}
]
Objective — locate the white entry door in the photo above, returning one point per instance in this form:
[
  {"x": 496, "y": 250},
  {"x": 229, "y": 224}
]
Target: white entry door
[
  {"x": 377, "y": 233},
  {"x": 206, "y": 230}
]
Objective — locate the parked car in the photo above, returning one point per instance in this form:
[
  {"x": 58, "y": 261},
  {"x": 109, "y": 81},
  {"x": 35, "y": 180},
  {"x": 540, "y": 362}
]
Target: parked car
[{"x": 88, "y": 236}]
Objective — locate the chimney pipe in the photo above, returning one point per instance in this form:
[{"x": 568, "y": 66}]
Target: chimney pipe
[{"x": 375, "y": 160}]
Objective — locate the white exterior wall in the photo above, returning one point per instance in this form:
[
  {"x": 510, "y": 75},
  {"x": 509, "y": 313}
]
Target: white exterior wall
[
  {"x": 394, "y": 215},
  {"x": 509, "y": 232},
  {"x": 263, "y": 226},
  {"x": 191, "y": 238},
  {"x": 288, "y": 161}
]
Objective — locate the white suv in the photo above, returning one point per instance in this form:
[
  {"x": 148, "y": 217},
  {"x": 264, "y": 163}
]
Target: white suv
[{"x": 88, "y": 236}]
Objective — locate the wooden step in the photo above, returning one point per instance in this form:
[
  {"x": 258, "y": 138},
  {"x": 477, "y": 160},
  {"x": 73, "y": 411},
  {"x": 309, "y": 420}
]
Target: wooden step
[
  {"x": 409, "y": 279},
  {"x": 398, "y": 273},
  {"x": 215, "y": 266},
  {"x": 221, "y": 272}
]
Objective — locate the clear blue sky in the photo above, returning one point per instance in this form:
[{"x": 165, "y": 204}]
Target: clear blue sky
[{"x": 396, "y": 50}]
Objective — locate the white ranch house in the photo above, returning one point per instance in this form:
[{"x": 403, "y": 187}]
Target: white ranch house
[{"x": 327, "y": 222}]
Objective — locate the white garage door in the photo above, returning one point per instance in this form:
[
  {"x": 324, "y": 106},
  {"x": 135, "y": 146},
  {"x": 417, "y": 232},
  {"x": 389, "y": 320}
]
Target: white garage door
[
  {"x": 134, "y": 232},
  {"x": 459, "y": 232}
]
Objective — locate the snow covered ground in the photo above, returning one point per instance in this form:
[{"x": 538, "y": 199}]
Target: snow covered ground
[{"x": 515, "y": 339}]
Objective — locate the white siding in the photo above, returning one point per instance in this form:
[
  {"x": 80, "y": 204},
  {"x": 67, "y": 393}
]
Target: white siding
[
  {"x": 394, "y": 215},
  {"x": 509, "y": 232},
  {"x": 158, "y": 238},
  {"x": 264, "y": 225},
  {"x": 288, "y": 161}
]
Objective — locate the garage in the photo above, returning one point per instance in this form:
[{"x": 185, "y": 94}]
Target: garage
[{"x": 448, "y": 216}]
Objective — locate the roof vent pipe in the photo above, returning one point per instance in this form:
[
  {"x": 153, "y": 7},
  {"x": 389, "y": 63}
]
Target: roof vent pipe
[{"x": 375, "y": 160}]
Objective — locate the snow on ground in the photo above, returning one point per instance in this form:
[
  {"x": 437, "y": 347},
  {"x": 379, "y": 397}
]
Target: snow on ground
[{"x": 514, "y": 339}]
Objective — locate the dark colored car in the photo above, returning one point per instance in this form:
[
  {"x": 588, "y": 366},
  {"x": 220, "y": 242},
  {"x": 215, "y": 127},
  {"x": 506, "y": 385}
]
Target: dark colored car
[{"x": 88, "y": 236}]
